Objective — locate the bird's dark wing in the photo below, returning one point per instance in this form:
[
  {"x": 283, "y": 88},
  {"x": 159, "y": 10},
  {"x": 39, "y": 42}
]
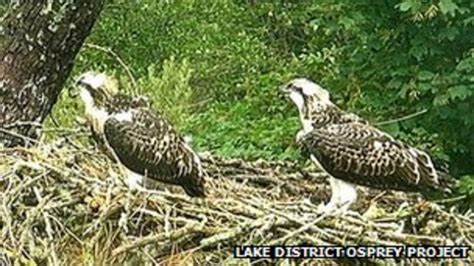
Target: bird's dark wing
[
  {"x": 333, "y": 115},
  {"x": 364, "y": 155},
  {"x": 147, "y": 144}
]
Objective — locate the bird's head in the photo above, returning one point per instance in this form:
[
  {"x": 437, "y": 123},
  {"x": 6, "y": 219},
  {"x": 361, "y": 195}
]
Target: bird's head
[
  {"x": 96, "y": 89},
  {"x": 305, "y": 93}
]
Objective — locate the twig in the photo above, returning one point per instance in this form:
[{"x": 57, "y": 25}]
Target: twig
[
  {"x": 49, "y": 230},
  {"x": 14, "y": 134},
  {"x": 406, "y": 117},
  {"x": 14, "y": 193},
  {"x": 295, "y": 220},
  {"x": 22, "y": 123},
  {"x": 191, "y": 228},
  {"x": 119, "y": 60},
  {"x": 184, "y": 229},
  {"x": 449, "y": 200},
  {"x": 234, "y": 232},
  {"x": 299, "y": 230},
  {"x": 30, "y": 219}
]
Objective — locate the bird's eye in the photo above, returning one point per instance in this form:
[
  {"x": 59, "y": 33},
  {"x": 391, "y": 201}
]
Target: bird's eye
[
  {"x": 291, "y": 86},
  {"x": 88, "y": 87}
]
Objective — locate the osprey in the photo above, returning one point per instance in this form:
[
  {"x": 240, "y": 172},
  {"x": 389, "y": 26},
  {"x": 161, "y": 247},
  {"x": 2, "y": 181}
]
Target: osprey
[
  {"x": 140, "y": 138},
  {"x": 353, "y": 153}
]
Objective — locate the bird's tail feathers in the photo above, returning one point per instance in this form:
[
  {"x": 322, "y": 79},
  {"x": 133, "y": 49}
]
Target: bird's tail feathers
[
  {"x": 446, "y": 188},
  {"x": 447, "y": 183}
]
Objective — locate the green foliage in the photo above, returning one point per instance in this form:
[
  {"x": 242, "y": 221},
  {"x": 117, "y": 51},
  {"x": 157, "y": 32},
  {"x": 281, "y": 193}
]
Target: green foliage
[
  {"x": 236, "y": 129},
  {"x": 466, "y": 187},
  {"x": 169, "y": 87},
  {"x": 383, "y": 70},
  {"x": 214, "y": 68},
  {"x": 3, "y": 7}
]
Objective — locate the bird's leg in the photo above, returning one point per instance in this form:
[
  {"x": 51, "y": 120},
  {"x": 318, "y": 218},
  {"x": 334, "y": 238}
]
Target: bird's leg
[
  {"x": 134, "y": 181},
  {"x": 347, "y": 195},
  {"x": 123, "y": 221},
  {"x": 342, "y": 197}
]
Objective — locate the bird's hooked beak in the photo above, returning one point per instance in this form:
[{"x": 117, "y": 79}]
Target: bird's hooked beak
[
  {"x": 81, "y": 81},
  {"x": 94, "y": 83},
  {"x": 284, "y": 89},
  {"x": 284, "y": 92},
  {"x": 73, "y": 90}
]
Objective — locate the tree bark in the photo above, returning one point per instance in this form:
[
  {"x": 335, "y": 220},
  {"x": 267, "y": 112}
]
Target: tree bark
[{"x": 39, "y": 40}]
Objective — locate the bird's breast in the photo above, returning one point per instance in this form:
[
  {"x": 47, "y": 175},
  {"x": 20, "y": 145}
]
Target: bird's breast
[
  {"x": 97, "y": 118},
  {"x": 307, "y": 125}
]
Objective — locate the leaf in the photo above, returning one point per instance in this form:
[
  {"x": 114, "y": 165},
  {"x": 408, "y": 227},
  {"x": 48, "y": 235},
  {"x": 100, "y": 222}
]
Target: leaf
[
  {"x": 425, "y": 86},
  {"x": 448, "y": 7},
  {"x": 418, "y": 51},
  {"x": 405, "y": 6},
  {"x": 425, "y": 75},
  {"x": 466, "y": 65},
  {"x": 412, "y": 5},
  {"x": 441, "y": 100},
  {"x": 461, "y": 92},
  {"x": 469, "y": 21},
  {"x": 467, "y": 184},
  {"x": 348, "y": 23}
]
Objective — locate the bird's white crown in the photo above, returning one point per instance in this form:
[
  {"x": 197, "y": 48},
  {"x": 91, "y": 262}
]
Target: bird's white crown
[
  {"x": 93, "y": 79},
  {"x": 311, "y": 88}
]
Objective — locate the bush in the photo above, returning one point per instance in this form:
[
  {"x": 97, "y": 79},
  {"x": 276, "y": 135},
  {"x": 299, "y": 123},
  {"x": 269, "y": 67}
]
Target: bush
[
  {"x": 170, "y": 87},
  {"x": 382, "y": 60}
]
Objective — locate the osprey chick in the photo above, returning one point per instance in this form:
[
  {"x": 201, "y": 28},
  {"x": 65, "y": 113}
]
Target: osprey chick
[
  {"x": 353, "y": 153},
  {"x": 140, "y": 138}
]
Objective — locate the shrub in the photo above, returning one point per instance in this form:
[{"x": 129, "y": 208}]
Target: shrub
[{"x": 382, "y": 60}]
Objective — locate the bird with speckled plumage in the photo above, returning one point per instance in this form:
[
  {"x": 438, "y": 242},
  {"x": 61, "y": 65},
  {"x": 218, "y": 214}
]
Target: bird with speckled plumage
[
  {"x": 139, "y": 137},
  {"x": 352, "y": 152}
]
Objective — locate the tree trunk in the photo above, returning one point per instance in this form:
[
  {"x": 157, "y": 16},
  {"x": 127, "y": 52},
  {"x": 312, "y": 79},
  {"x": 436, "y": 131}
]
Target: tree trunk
[{"x": 39, "y": 40}]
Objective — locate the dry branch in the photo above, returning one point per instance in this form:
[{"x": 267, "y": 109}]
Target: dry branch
[{"x": 64, "y": 204}]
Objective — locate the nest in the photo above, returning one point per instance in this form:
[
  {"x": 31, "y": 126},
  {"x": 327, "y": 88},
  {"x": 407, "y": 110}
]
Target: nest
[{"x": 67, "y": 204}]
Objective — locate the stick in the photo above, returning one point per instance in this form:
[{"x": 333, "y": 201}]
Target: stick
[
  {"x": 191, "y": 228},
  {"x": 119, "y": 60},
  {"x": 402, "y": 118}
]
